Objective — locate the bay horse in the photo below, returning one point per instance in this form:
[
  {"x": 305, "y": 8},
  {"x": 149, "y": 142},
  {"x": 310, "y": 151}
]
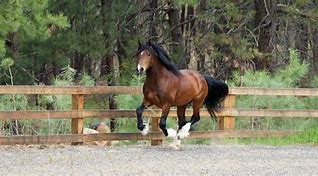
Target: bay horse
[{"x": 166, "y": 86}]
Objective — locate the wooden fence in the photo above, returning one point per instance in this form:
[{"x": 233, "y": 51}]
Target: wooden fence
[{"x": 78, "y": 114}]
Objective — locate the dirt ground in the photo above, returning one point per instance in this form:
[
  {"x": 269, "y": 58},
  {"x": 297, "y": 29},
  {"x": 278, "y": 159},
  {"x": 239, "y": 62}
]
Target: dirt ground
[{"x": 159, "y": 160}]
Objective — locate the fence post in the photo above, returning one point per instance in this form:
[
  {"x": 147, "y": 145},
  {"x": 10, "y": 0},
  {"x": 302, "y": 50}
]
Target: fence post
[
  {"x": 227, "y": 122},
  {"x": 77, "y": 123},
  {"x": 155, "y": 128}
]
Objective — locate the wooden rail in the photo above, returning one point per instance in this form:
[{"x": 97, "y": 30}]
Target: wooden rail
[
  {"x": 73, "y": 114},
  {"x": 78, "y": 114},
  {"x": 153, "y": 136},
  {"x": 137, "y": 90}
]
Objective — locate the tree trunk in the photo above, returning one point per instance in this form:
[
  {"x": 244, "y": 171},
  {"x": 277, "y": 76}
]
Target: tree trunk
[
  {"x": 189, "y": 32},
  {"x": 315, "y": 51},
  {"x": 177, "y": 45},
  {"x": 152, "y": 32},
  {"x": 265, "y": 11},
  {"x": 301, "y": 42},
  {"x": 182, "y": 17},
  {"x": 78, "y": 64},
  {"x": 121, "y": 53},
  {"x": 89, "y": 66},
  {"x": 108, "y": 72},
  {"x": 107, "y": 64},
  {"x": 201, "y": 28},
  {"x": 11, "y": 42},
  {"x": 190, "y": 15}
]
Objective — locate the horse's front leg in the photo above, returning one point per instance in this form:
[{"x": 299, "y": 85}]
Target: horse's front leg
[
  {"x": 162, "y": 123},
  {"x": 144, "y": 128}
]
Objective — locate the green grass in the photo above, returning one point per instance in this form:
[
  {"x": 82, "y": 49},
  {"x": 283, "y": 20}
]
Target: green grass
[
  {"x": 275, "y": 123},
  {"x": 309, "y": 136}
]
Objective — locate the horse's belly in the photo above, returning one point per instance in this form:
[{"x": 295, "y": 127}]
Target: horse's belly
[
  {"x": 187, "y": 92},
  {"x": 183, "y": 100}
]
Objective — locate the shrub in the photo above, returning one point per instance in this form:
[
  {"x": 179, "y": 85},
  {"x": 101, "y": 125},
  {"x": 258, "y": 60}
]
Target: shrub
[{"x": 289, "y": 76}]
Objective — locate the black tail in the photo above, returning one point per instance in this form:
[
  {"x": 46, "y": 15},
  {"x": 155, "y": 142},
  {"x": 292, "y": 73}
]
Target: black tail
[{"x": 217, "y": 92}]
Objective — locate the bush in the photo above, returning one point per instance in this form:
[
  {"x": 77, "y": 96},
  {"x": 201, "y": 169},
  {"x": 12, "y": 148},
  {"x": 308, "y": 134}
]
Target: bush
[
  {"x": 289, "y": 76},
  {"x": 44, "y": 102}
]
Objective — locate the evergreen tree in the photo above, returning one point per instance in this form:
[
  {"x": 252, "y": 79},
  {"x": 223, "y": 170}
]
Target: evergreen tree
[{"x": 25, "y": 27}]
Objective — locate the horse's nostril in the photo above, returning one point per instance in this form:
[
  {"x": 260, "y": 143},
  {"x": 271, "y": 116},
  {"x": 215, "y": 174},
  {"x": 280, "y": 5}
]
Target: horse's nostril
[{"x": 140, "y": 69}]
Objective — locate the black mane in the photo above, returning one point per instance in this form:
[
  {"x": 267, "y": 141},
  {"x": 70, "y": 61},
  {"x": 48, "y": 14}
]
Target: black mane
[{"x": 161, "y": 54}]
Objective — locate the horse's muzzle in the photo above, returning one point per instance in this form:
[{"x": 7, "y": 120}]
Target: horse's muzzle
[{"x": 140, "y": 70}]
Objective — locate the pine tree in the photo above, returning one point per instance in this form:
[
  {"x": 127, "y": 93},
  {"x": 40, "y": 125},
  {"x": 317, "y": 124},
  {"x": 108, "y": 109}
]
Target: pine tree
[{"x": 25, "y": 26}]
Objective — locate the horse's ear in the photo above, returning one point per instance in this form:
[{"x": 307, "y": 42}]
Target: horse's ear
[{"x": 139, "y": 43}]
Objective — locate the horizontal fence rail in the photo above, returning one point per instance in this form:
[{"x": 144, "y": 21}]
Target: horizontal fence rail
[
  {"x": 275, "y": 91},
  {"x": 28, "y": 115},
  {"x": 70, "y": 90},
  {"x": 78, "y": 114},
  {"x": 138, "y": 90},
  {"x": 75, "y": 138}
]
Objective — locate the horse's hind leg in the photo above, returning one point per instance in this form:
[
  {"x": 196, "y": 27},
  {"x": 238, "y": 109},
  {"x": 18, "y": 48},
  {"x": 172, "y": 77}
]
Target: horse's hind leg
[
  {"x": 181, "y": 115},
  {"x": 184, "y": 131},
  {"x": 181, "y": 122}
]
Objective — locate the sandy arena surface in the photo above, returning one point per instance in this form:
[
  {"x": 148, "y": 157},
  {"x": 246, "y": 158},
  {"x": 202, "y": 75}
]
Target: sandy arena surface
[{"x": 160, "y": 160}]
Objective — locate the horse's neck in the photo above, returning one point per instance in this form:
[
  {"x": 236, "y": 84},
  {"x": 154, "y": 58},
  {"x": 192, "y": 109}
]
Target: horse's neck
[{"x": 156, "y": 73}]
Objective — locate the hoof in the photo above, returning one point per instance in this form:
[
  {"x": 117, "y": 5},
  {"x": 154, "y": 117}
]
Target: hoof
[
  {"x": 145, "y": 130},
  {"x": 171, "y": 133},
  {"x": 184, "y": 131}
]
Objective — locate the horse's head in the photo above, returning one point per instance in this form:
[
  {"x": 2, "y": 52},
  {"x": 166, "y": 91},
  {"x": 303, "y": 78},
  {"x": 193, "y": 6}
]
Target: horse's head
[{"x": 145, "y": 56}]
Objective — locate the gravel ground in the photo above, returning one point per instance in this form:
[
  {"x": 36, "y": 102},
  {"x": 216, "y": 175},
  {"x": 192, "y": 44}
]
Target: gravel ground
[{"x": 161, "y": 160}]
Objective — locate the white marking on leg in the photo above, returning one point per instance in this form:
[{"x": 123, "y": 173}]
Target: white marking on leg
[
  {"x": 184, "y": 131},
  {"x": 171, "y": 133},
  {"x": 145, "y": 130}
]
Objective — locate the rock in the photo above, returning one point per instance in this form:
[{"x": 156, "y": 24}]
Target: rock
[
  {"x": 43, "y": 146},
  {"x": 89, "y": 131},
  {"x": 100, "y": 128}
]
